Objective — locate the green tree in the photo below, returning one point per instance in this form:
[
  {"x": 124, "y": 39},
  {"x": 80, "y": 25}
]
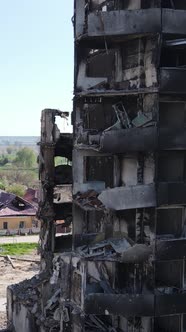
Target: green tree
[
  {"x": 16, "y": 189},
  {"x": 3, "y": 160},
  {"x": 25, "y": 158},
  {"x": 9, "y": 149},
  {"x": 15, "y": 175},
  {"x": 2, "y": 186}
]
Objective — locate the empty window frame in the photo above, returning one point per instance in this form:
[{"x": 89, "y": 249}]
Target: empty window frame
[
  {"x": 22, "y": 224},
  {"x": 145, "y": 4},
  {"x": 100, "y": 63},
  {"x": 100, "y": 169},
  {"x": 98, "y": 116},
  {"x": 173, "y": 4},
  {"x": 171, "y": 166},
  {"x": 173, "y": 57},
  {"x": 63, "y": 174},
  {"x": 168, "y": 324},
  {"x": 5, "y": 225},
  {"x": 125, "y": 277},
  {"x": 172, "y": 115},
  {"x": 169, "y": 274},
  {"x": 170, "y": 222}
]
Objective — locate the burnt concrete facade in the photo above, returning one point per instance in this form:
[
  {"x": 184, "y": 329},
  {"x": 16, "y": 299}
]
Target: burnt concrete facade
[
  {"x": 129, "y": 166},
  {"x": 123, "y": 267}
]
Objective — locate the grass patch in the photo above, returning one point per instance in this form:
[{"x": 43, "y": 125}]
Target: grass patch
[{"x": 17, "y": 249}]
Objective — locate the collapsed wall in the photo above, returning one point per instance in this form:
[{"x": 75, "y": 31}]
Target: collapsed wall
[
  {"x": 123, "y": 267},
  {"x": 34, "y": 305}
]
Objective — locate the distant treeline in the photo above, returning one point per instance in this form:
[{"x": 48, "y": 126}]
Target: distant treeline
[{"x": 19, "y": 140}]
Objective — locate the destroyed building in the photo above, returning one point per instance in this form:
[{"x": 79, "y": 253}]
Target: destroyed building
[
  {"x": 34, "y": 305},
  {"x": 123, "y": 267}
]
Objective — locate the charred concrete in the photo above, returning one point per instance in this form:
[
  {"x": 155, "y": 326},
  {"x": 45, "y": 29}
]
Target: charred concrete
[
  {"x": 129, "y": 145},
  {"x": 122, "y": 269},
  {"x": 34, "y": 305}
]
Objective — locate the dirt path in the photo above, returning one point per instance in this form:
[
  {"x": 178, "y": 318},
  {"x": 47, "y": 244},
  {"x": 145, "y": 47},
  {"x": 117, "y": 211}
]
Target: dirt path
[
  {"x": 8, "y": 276},
  {"x": 19, "y": 239}
]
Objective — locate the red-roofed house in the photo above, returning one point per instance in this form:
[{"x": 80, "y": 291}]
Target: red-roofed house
[
  {"x": 31, "y": 196},
  {"x": 17, "y": 216}
]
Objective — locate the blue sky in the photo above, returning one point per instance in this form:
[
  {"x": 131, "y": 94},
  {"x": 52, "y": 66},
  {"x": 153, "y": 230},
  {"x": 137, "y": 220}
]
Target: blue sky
[{"x": 36, "y": 62}]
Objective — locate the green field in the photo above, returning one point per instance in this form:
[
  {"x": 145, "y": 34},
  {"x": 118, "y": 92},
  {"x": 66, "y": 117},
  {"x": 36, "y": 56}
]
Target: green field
[{"x": 17, "y": 249}]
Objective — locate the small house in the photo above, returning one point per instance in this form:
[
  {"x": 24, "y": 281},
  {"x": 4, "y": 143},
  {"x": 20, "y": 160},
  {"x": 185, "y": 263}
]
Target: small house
[{"x": 17, "y": 216}]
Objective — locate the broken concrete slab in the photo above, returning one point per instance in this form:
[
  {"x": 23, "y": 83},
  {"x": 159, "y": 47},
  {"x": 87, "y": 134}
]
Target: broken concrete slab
[{"x": 123, "y": 198}]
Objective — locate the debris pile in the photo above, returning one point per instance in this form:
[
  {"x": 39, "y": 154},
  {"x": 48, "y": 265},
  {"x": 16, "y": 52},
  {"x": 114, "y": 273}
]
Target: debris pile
[
  {"x": 123, "y": 250},
  {"x": 89, "y": 199}
]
